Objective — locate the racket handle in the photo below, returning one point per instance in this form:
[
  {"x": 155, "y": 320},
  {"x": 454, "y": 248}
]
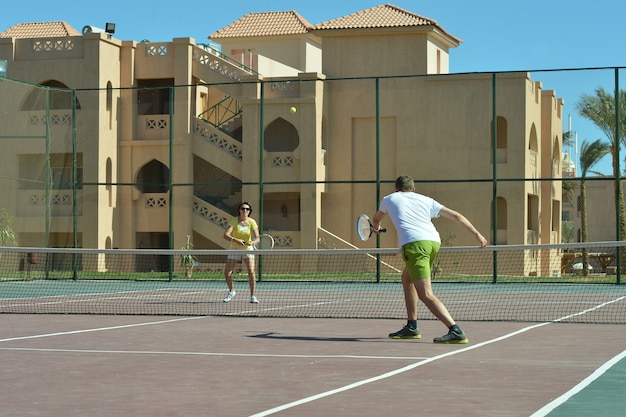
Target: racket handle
[{"x": 382, "y": 230}]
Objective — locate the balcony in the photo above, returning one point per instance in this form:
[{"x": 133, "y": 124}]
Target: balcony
[
  {"x": 153, "y": 127},
  {"x": 33, "y": 203}
]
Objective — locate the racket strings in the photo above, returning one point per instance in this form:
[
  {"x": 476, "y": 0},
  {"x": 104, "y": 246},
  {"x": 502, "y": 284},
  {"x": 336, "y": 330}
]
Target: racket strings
[
  {"x": 265, "y": 242},
  {"x": 364, "y": 227}
]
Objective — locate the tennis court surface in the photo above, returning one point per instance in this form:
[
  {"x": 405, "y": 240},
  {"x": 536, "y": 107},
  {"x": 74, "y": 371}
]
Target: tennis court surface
[
  {"x": 116, "y": 333},
  {"x": 94, "y": 365}
]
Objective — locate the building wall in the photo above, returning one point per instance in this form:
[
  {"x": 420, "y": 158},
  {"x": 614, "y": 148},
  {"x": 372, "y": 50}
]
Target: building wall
[
  {"x": 431, "y": 126},
  {"x": 76, "y": 62},
  {"x": 600, "y": 210},
  {"x": 366, "y": 53},
  {"x": 291, "y": 54}
]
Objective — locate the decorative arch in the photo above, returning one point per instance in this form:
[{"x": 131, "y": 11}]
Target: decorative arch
[
  {"x": 281, "y": 136},
  {"x": 153, "y": 177},
  {"x": 59, "y": 97}
]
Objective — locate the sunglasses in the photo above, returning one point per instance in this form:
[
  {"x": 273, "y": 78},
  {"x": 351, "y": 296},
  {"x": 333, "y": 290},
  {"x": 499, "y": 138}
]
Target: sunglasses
[{"x": 245, "y": 209}]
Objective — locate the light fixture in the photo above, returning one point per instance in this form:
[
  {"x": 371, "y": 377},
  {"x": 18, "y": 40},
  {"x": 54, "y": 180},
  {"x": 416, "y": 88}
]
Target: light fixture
[
  {"x": 3, "y": 67},
  {"x": 110, "y": 28}
]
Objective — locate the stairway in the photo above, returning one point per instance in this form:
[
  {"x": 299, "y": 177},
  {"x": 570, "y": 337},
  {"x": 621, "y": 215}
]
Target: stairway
[
  {"x": 212, "y": 66},
  {"x": 217, "y": 133},
  {"x": 217, "y": 147},
  {"x": 210, "y": 221}
]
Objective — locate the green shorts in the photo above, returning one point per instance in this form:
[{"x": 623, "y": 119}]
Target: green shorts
[{"x": 419, "y": 258}]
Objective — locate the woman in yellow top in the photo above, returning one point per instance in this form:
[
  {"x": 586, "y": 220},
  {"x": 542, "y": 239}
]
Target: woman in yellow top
[{"x": 242, "y": 233}]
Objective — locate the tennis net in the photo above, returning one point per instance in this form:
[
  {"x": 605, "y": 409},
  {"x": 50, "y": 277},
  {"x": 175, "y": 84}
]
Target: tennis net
[{"x": 499, "y": 283}]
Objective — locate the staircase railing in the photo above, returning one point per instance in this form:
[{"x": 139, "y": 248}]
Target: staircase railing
[
  {"x": 218, "y": 192},
  {"x": 221, "y": 113},
  {"x": 226, "y": 58}
]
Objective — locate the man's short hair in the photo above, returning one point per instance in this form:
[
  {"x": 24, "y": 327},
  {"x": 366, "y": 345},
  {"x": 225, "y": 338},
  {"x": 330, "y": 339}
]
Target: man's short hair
[{"x": 405, "y": 183}]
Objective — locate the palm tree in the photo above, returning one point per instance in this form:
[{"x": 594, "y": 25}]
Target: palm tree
[
  {"x": 568, "y": 187},
  {"x": 590, "y": 154},
  {"x": 600, "y": 109},
  {"x": 567, "y": 231}
]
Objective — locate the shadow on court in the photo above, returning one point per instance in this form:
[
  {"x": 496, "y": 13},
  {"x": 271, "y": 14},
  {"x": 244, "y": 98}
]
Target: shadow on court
[
  {"x": 114, "y": 366},
  {"x": 276, "y": 336}
]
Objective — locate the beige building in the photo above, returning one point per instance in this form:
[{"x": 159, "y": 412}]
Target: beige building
[
  {"x": 170, "y": 136},
  {"x": 601, "y": 219}
]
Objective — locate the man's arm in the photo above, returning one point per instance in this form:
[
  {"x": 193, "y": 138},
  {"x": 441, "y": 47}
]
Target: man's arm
[
  {"x": 461, "y": 219},
  {"x": 378, "y": 217}
]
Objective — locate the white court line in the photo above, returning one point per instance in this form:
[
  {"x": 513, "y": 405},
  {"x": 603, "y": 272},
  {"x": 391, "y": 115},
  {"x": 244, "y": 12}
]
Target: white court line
[
  {"x": 321, "y": 303},
  {"x": 424, "y": 362},
  {"x": 100, "y": 329},
  {"x": 248, "y": 355},
  {"x": 544, "y": 411},
  {"x": 75, "y": 298},
  {"x": 391, "y": 373},
  {"x": 125, "y": 326},
  {"x": 349, "y": 386}
]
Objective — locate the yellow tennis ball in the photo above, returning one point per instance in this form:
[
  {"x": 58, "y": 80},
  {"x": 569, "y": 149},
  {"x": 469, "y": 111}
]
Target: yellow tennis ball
[{"x": 293, "y": 110}]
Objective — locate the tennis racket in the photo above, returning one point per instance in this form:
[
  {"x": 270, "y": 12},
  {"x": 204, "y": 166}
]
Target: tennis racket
[
  {"x": 365, "y": 228},
  {"x": 265, "y": 242}
]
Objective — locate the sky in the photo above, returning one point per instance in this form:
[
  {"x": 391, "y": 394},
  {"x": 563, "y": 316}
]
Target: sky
[{"x": 538, "y": 36}]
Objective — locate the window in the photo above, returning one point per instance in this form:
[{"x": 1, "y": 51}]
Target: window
[
  {"x": 281, "y": 136},
  {"x": 501, "y": 139},
  {"x": 153, "y": 177},
  {"x": 153, "y": 97}
]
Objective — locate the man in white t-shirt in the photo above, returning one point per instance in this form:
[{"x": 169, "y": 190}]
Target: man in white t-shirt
[{"x": 419, "y": 240}]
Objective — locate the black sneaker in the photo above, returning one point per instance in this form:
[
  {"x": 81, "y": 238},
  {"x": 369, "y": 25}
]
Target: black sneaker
[
  {"x": 406, "y": 333},
  {"x": 452, "y": 337}
]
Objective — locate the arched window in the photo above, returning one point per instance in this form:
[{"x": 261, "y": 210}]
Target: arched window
[
  {"x": 533, "y": 142},
  {"x": 556, "y": 150},
  {"x": 502, "y": 220},
  {"x": 153, "y": 177},
  {"x": 501, "y": 139},
  {"x": 109, "y": 96},
  {"x": 57, "y": 97},
  {"x": 109, "y": 180},
  {"x": 281, "y": 136},
  {"x": 109, "y": 104}
]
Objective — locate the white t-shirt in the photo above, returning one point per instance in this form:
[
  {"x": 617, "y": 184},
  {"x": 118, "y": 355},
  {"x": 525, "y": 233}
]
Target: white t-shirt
[{"x": 411, "y": 214}]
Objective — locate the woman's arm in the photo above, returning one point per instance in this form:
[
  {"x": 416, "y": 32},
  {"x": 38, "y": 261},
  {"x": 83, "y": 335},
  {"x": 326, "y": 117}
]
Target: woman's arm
[{"x": 229, "y": 236}]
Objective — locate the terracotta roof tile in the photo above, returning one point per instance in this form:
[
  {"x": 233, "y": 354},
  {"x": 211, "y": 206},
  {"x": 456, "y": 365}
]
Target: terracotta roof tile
[
  {"x": 265, "y": 24},
  {"x": 40, "y": 30},
  {"x": 383, "y": 16}
]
